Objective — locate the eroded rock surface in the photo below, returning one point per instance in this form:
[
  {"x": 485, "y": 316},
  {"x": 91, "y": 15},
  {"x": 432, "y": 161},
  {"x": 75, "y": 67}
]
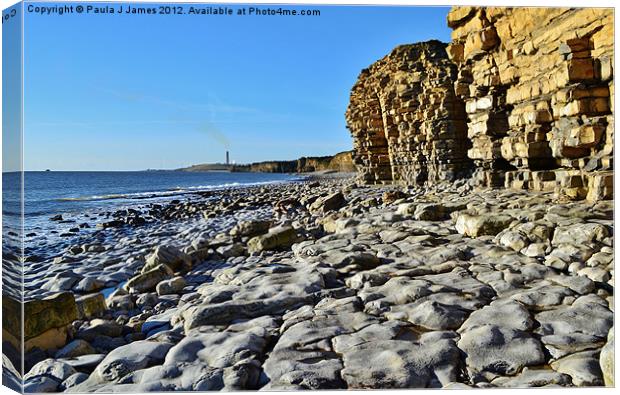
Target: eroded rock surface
[{"x": 371, "y": 297}]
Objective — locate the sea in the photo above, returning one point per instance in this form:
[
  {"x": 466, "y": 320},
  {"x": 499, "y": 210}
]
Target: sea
[{"x": 85, "y": 195}]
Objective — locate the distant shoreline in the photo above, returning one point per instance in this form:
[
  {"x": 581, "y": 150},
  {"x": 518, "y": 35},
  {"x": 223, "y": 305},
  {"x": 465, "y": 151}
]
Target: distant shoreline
[{"x": 340, "y": 162}]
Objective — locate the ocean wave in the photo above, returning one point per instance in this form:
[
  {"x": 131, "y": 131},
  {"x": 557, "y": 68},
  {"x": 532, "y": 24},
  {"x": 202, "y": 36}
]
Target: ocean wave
[
  {"x": 96, "y": 197},
  {"x": 136, "y": 195},
  {"x": 235, "y": 184},
  {"x": 210, "y": 187},
  {"x": 168, "y": 193}
]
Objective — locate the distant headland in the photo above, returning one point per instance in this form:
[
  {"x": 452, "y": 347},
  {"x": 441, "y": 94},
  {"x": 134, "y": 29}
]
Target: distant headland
[{"x": 342, "y": 162}]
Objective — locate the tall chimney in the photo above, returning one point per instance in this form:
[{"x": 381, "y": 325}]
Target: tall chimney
[{"x": 227, "y": 158}]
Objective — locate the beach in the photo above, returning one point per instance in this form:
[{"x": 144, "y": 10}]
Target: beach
[
  {"x": 326, "y": 283},
  {"x": 405, "y": 197}
]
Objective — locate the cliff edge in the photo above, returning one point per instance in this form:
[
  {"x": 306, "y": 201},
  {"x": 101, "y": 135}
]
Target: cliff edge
[{"x": 521, "y": 98}]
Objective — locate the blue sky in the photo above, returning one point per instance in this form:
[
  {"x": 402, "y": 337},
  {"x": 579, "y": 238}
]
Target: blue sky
[
  {"x": 130, "y": 92},
  {"x": 11, "y": 89}
]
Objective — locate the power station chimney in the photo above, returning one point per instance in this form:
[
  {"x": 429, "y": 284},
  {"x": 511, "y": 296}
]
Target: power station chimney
[{"x": 227, "y": 158}]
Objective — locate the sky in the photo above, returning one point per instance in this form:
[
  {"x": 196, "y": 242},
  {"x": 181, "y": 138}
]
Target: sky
[
  {"x": 11, "y": 89},
  {"x": 133, "y": 92}
]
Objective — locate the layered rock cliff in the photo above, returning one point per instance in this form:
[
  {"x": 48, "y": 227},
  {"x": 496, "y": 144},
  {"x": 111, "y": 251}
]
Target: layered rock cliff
[
  {"x": 536, "y": 85},
  {"x": 340, "y": 162},
  {"x": 407, "y": 123}
]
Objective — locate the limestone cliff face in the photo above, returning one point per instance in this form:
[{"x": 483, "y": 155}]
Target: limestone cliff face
[
  {"x": 342, "y": 161},
  {"x": 408, "y": 126},
  {"x": 270, "y": 167},
  {"x": 526, "y": 93},
  {"x": 538, "y": 87}
]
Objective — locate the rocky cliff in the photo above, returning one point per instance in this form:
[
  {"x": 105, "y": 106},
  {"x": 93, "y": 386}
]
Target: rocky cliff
[
  {"x": 526, "y": 93},
  {"x": 342, "y": 162},
  {"x": 282, "y": 166},
  {"x": 407, "y": 123}
]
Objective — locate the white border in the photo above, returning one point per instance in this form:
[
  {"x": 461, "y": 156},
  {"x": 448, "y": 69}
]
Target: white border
[{"x": 521, "y": 3}]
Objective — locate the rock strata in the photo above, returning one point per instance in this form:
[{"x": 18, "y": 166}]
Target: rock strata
[
  {"x": 46, "y": 321},
  {"x": 408, "y": 125},
  {"x": 538, "y": 87},
  {"x": 525, "y": 93}
]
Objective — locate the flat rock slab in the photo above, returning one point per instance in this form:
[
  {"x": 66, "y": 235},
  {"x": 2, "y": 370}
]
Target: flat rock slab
[
  {"x": 122, "y": 362},
  {"x": 507, "y": 314},
  {"x": 303, "y": 357},
  {"x": 533, "y": 378},
  {"x": 434, "y": 315},
  {"x": 583, "y": 368},
  {"x": 499, "y": 351},
  {"x": 582, "y": 325},
  {"x": 401, "y": 364},
  {"x": 257, "y": 292}
]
